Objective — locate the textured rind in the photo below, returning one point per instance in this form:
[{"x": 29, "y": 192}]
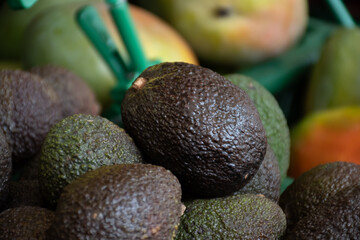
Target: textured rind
[
  {"x": 5, "y": 168},
  {"x": 80, "y": 143},
  {"x": 314, "y": 187},
  {"x": 197, "y": 124},
  {"x": 75, "y": 96},
  {"x": 245, "y": 216},
  {"x": 337, "y": 218},
  {"x": 272, "y": 117},
  {"x": 25, "y": 223},
  {"x": 28, "y": 109},
  {"x": 266, "y": 180},
  {"x": 126, "y": 201}
]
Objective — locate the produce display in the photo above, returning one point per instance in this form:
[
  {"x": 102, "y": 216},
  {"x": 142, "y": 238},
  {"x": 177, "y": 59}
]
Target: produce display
[{"x": 200, "y": 151}]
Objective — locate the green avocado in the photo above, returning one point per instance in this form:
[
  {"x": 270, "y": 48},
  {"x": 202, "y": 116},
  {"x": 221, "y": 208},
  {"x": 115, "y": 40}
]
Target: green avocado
[
  {"x": 124, "y": 201},
  {"x": 197, "y": 124},
  {"x": 25, "y": 223},
  {"x": 314, "y": 187},
  {"x": 336, "y": 218},
  {"x": 5, "y": 168},
  {"x": 266, "y": 180},
  {"x": 75, "y": 96},
  {"x": 272, "y": 117},
  {"x": 245, "y": 216},
  {"x": 335, "y": 79},
  {"x": 28, "y": 109},
  {"x": 78, "y": 144}
]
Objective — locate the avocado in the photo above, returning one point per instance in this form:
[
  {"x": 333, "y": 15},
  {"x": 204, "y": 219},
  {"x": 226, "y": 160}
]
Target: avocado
[
  {"x": 314, "y": 187},
  {"x": 336, "y": 218},
  {"x": 5, "y": 168},
  {"x": 75, "y": 96},
  {"x": 272, "y": 117},
  {"x": 24, "y": 193},
  {"x": 335, "y": 79},
  {"x": 197, "y": 124},
  {"x": 266, "y": 180},
  {"x": 26, "y": 222},
  {"x": 28, "y": 109},
  {"x": 124, "y": 201},
  {"x": 77, "y": 144},
  {"x": 245, "y": 216}
]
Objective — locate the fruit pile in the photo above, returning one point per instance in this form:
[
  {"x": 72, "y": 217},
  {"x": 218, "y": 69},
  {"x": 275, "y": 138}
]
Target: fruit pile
[{"x": 198, "y": 154}]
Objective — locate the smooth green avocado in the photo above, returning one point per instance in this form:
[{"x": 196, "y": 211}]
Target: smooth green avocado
[
  {"x": 197, "y": 124},
  {"x": 124, "y": 201},
  {"x": 272, "y": 117},
  {"x": 78, "y": 144},
  {"x": 245, "y": 216}
]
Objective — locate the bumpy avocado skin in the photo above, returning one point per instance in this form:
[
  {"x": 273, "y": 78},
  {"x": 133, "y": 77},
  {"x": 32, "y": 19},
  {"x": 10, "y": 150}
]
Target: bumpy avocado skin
[
  {"x": 197, "y": 124},
  {"x": 78, "y": 144},
  {"x": 336, "y": 218},
  {"x": 74, "y": 95},
  {"x": 28, "y": 109},
  {"x": 25, "y": 223},
  {"x": 267, "y": 179},
  {"x": 126, "y": 201},
  {"x": 272, "y": 117},
  {"x": 314, "y": 187},
  {"x": 5, "y": 168},
  {"x": 245, "y": 216}
]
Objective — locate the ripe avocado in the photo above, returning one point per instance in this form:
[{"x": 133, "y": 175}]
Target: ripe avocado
[
  {"x": 25, "y": 223},
  {"x": 77, "y": 144},
  {"x": 314, "y": 187},
  {"x": 75, "y": 96},
  {"x": 336, "y": 218},
  {"x": 5, "y": 168},
  {"x": 125, "y": 201},
  {"x": 28, "y": 109},
  {"x": 267, "y": 179},
  {"x": 272, "y": 117},
  {"x": 197, "y": 124},
  {"x": 245, "y": 216}
]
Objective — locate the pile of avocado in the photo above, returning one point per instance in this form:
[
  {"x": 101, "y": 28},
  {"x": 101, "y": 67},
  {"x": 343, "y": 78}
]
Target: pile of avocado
[{"x": 200, "y": 156}]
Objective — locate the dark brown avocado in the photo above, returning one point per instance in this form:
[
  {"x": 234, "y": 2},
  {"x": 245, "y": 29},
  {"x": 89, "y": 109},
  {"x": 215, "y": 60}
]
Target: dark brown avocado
[
  {"x": 125, "y": 201},
  {"x": 197, "y": 124},
  {"x": 5, "y": 168}
]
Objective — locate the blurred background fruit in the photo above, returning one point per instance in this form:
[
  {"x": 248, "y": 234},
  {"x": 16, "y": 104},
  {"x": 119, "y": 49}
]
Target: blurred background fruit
[
  {"x": 323, "y": 137},
  {"x": 235, "y": 33},
  {"x": 54, "y": 37},
  {"x": 335, "y": 80}
]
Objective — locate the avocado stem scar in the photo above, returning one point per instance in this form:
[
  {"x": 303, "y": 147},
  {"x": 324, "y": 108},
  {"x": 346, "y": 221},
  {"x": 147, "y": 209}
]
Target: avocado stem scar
[{"x": 139, "y": 83}]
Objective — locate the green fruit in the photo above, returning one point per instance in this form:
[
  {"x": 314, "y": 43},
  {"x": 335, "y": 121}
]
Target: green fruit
[
  {"x": 246, "y": 216},
  {"x": 25, "y": 223},
  {"x": 272, "y": 117},
  {"x": 78, "y": 144},
  {"x": 266, "y": 180},
  {"x": 28, "y": 109},
  {"x": 5, "y": 168},
  {"x": 335, "y": 80},
  {"x": 75, "y": 96},
  {"x": 314, "y": 187},
  {"x": 128, "y": 201},
  {"x": 198, "y": 125},
  {"x": 14, "y": 22},
  {"x": 336, "y": 218}
]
